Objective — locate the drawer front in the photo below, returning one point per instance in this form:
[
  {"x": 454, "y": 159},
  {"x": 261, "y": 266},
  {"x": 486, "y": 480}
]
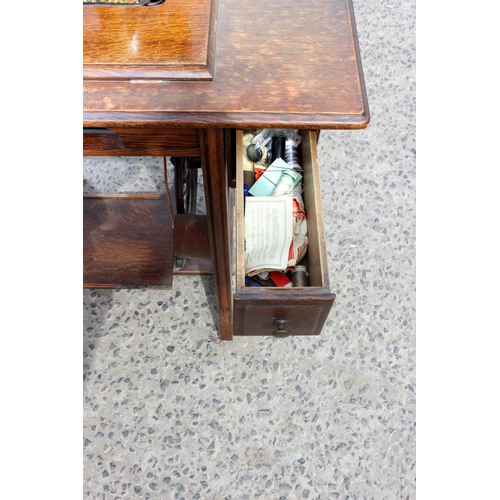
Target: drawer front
[
  {"x": 141, "y": 142},
  {"x": 291, "y": 311},
  {"x": 266, "y": 316}
]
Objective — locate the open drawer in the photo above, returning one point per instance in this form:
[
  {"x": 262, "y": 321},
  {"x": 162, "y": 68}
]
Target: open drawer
[{"x": 285, "y": 311}]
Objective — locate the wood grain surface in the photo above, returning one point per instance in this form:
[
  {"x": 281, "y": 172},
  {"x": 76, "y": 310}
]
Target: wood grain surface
[
  {"x": 173, "y": 40},
  {"x": 300, "y": 68},
  {"x": 127, "y": 241},
  {"x": 254, "y": 315},
  {"x": 191, "y": 236},
  {"x": 159, "y": 141},
  {"x": 213, "y": 164}
]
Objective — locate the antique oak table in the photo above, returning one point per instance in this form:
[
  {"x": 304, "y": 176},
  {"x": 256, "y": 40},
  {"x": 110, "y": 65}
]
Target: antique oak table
[{"x": 182, "y": 79}]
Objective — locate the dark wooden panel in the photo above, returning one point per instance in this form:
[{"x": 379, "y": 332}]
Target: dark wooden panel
[
  {"x": 191, "y": 236},
  {"x": 143, "y": 141},
  {"x": 257, "y": 314},
  {"x": 299, "y": 69},
  {"x": 213, "y": 164},
  {"x": 174, "y": 40},
  {"x": 127, "y": 242}
]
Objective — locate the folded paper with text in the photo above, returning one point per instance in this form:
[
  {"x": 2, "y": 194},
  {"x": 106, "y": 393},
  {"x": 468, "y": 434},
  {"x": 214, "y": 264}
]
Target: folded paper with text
[{"x": 269, "y": 230}]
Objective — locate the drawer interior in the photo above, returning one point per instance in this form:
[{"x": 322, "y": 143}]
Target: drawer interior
[{"x": 315, "y": 259}]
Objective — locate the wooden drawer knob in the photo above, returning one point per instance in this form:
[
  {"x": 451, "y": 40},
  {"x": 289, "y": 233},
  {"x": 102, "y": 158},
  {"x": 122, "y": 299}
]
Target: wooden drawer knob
[{"x": 280, "y": 325}]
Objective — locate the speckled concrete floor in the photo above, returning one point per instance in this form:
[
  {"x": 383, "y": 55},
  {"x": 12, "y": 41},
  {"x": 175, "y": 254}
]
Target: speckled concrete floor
[{"x": 172, "y": 413}]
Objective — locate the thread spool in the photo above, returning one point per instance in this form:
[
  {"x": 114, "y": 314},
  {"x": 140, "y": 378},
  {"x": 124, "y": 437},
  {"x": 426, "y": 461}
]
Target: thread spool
[
  {"x": 299, "y": 276},
  {"x": 278, "y": 147},
  {"x": 292, "y": 155}
]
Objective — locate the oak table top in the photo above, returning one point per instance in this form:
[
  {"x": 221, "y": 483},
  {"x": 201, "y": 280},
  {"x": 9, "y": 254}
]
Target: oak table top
[{"x": 224, "y": 63}]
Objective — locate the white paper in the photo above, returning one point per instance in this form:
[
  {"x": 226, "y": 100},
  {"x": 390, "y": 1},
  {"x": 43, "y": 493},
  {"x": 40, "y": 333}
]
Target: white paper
[{"x": 269, "y": 224}]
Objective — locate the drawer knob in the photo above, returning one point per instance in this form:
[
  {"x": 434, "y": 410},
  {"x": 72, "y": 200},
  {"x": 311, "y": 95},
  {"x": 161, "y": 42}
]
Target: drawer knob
[{"x": 280, "y": 325}]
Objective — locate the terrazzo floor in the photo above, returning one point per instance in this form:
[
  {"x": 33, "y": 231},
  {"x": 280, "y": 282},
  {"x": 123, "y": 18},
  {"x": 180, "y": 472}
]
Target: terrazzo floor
[{"x": 170, "y": 412}]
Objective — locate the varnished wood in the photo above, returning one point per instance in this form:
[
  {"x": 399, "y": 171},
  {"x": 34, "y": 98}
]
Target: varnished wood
[
  {"x": 317, "y": 262},
  {"x": 216, "y": 199},
  {"x": 255, "y": 315},
  {"x": 101, "y": 141},
  {"x": 127, "y": 242},
  {"x": 191, "y": 236},
  {"x": 145, "y": 141},
  {"x": 171, "y": 41},
  {"x": 298, "y": 69}
]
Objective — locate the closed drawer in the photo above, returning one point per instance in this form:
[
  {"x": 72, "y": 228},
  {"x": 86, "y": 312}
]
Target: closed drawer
[
  {"x": 285, "y": 311},
  {"x": 173, "y": 141}
]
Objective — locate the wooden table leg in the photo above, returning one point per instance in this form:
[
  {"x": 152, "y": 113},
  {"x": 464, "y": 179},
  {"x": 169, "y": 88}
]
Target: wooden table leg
[{"x": 216, "y": 199}]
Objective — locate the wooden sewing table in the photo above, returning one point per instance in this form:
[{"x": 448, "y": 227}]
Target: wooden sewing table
[{"x": 182, "y": 79}]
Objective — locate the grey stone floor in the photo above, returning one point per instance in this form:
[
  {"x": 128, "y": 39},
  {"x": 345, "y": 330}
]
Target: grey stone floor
[{"x": 170, "y": 412}]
